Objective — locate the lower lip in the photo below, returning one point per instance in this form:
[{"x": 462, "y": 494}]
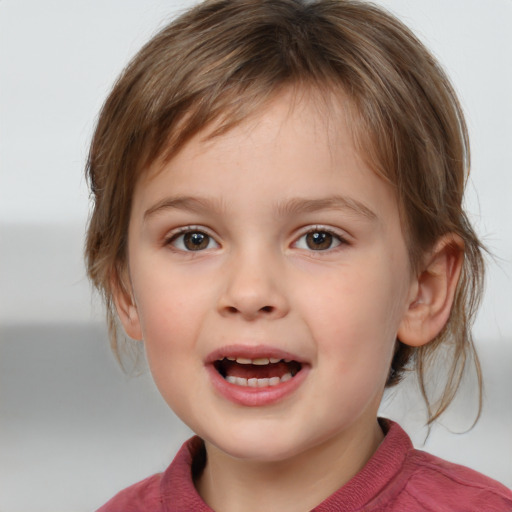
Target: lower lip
[{"x": 256, "y": 397}]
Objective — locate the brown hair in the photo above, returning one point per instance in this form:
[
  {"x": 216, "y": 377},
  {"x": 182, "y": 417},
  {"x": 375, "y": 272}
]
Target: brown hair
[{"x": 223, "y": 59}]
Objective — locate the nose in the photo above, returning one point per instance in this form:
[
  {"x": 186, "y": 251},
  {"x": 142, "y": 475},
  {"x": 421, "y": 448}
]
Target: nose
[{"x": 254, "y": 288}]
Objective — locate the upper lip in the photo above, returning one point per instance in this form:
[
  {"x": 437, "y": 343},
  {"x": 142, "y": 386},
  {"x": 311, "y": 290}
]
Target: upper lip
[{"x": 251, "y": 352}]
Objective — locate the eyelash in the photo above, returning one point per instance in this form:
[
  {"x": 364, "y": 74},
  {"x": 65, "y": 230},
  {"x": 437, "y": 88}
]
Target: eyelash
[
  {"x": 180, "y": 235},
  {"x": 336, "y": 238},
  {"x": 191, "y": 230}
]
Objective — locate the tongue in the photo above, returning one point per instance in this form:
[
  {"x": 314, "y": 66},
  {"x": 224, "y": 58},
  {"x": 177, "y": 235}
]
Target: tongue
[{"x": 251, "y": 371}]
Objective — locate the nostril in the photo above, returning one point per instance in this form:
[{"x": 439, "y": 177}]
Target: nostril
[{"x": 248, "y": 310}]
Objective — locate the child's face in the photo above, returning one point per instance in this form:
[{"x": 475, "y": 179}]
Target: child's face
[{"x": 276, "y": 241}]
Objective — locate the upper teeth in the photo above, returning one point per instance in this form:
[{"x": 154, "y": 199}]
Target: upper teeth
[{"x": 257, "y": 361}]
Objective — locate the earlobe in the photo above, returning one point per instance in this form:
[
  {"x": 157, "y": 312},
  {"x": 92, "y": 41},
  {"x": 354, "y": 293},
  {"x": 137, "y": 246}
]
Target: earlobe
[
  {"x": 433, "y": 292},
  {"x": 126, "y": 307}
]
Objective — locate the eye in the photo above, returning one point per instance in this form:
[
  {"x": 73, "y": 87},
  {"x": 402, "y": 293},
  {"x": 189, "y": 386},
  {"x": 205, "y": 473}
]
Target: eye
[
  {"x": 319, "y": 240},
  {"x": 192, "y": 240}
]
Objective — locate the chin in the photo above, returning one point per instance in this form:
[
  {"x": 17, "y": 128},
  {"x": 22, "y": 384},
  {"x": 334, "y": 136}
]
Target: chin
[{"x": 260, "y": 446}]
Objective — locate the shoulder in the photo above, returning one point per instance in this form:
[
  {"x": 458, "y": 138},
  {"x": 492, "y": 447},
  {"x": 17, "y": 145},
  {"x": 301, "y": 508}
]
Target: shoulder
[
  {"x": 406, "y": 479},
  {"x": 140, "y": 497},
  {"x": 172, "y": 490},
  {"x": 433, "y": 484}
]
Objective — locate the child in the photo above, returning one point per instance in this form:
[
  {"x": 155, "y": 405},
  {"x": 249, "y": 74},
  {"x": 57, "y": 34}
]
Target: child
[{"x": 277, "y": 192}]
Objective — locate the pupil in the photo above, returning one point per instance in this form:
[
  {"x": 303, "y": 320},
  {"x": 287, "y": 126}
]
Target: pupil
[
  {"x": 196, "y": 241},
  {"x": 319, "y": 240}
]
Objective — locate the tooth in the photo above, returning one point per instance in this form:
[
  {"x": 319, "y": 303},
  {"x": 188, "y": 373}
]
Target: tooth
[
  {"x": 252, "y": 383},
  {"x": 274, "y": 381},
  {"x": 231, "y": 358},
  {"x": 231, "y": 379},
  {"x": 274, "y": 360},
  {"x": 240, "y": 381},
  {"x": 287, "y": 360},
  {"x": 260, "y": 361},
  {"x": 286, "y": 376},
  {"x": 243, "y": 360},
  {"x": 263, "y": 383}
]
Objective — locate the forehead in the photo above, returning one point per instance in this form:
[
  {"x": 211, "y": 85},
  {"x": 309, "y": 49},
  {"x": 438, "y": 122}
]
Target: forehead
[
  {"x": 328, "y": 112},
  {"x": 288, "y": 110},
  {"x": 300, "y": 146}
]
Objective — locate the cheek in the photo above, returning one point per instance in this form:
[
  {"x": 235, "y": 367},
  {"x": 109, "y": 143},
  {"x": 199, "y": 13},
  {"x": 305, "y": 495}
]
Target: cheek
[
  {"x": 169, "y": 322},
  {"x": 356, "y": 315},
  {"x": 163, "y": 308}
]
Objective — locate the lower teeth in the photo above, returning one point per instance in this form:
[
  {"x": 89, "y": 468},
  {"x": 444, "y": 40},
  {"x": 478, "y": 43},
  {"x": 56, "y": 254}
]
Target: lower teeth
[{"x": 258, "y": 383}]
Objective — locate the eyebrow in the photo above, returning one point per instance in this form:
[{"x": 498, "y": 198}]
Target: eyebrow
[
  {"x": 194, "y": 204},
  {"x": 343, "y": 203},
  {"x": 289, "y": 207}
]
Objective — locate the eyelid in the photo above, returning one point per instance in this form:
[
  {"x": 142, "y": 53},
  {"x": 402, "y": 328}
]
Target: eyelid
[
  {"x": 341, "y": 236},
  {"x": 183, "y": 230}
]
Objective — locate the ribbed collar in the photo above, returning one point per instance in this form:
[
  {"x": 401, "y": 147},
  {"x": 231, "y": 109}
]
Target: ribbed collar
[{"x": 179, "y": 493}]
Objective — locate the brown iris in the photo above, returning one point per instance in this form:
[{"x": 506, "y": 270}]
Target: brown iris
[
  {"x": 196, "y": 241},
  {"x": 319, "y": 240}
]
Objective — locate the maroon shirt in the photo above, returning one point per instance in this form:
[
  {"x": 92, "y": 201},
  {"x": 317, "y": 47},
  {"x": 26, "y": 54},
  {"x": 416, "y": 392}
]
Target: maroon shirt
[{"x": 397, "y": 478}]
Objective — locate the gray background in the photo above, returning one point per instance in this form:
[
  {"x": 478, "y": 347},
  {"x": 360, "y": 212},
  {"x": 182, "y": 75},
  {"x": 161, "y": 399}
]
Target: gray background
[{"x": 73, "y": 428}]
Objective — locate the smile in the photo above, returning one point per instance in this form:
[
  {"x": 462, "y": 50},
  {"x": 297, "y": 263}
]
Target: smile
[
  {"x": 255, "y": 376},
  {"x": 260, "y": 372}
]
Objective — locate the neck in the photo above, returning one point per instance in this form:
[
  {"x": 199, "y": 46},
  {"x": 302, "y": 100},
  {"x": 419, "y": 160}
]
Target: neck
[{"x": 228, "y": 484}]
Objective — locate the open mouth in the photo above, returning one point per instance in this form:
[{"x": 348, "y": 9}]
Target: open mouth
[{"x": 257, "y": 373}]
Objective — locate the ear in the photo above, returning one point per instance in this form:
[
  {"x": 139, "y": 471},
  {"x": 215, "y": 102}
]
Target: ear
[
  {"x": 125, "y": 305},
  {"x": 433, "y": 292}
]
